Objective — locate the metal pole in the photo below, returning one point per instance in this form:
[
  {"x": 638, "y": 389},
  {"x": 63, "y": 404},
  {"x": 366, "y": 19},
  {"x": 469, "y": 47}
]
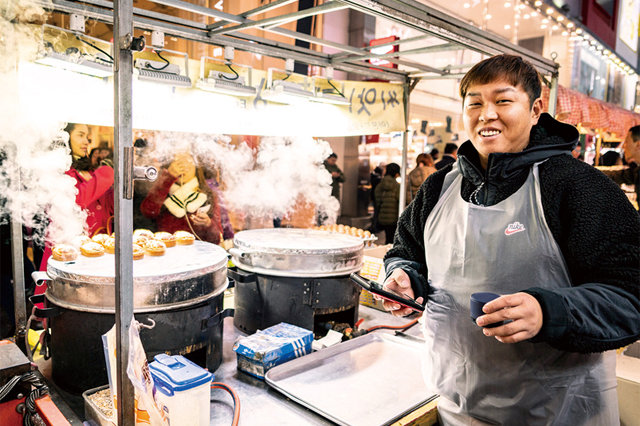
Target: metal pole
[
  {"x": 553, "y": 94},
  {"x": 19, "y": 303},
  {"x": 123, "y": 134},
  {"x": 405, "y": 143}
]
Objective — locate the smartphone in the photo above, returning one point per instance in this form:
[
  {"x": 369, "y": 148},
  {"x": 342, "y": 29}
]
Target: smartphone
[
  {"x": 204, "y": 209},
  {"x": 375, "y": 288}
]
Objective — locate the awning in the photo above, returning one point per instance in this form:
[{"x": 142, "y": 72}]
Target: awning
[{"x": 574, "y": 107}]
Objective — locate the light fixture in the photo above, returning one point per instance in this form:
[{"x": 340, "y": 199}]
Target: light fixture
[
  {"x": 579, "y": 31},
  {"x": 560, "y": 18},
  {"x": 534, "y": 13},
  {"x": 543, "y": 26},
  {"x": 569, "y": 24},
  {"x": 549, "y": 10},
  {"x": 163, "y": 72},
  {"x": 507, "y": 4},
  {"x": 565, "y": 33},
  {"x": 466, "y": 5},
  {"x": 507, "y": 27},
  {"x": 283, "y": 91},
  {"x": 228, "y": 83},
  {"x": 545, "y": 21},
  {"x": 554, "y": 27},
  {"x": 487, "y": 16},
  {"x": 72, "y": 59},
  {"x": 538, "y": 3}
]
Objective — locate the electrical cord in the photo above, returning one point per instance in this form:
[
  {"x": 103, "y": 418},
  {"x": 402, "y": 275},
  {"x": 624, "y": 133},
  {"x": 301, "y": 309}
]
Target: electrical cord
[
  {"x": 110, "y": 61},
  {"x": 335, "y": 88},
  {"x": 167, "y": 63},
  {"x": 40, "y": 390},
  {"x": 230, "y": 78},
  {"x": 236, "y": 400}
]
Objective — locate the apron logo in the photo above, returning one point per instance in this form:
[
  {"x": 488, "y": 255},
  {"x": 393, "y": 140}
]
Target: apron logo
[{"x": 514, "y": 228}]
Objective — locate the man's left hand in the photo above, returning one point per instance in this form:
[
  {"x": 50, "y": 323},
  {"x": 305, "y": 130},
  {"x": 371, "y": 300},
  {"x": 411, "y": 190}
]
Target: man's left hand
[{"x": 522, "y": 309}]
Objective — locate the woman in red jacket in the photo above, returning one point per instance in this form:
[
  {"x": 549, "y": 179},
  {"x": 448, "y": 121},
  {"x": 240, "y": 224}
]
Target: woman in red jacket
[
  {"x": 95, "y": 185},
  {"x": 181, "y": 200}
]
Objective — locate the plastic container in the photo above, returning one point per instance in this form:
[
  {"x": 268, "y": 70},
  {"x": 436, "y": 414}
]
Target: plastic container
[
  {"x": 184, "y": 389},
  {"x": 477, "y": 302}
]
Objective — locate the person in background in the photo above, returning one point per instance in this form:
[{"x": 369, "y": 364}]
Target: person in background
[
  {"x": 521, "y": 218},
  {"x": 212, "y": 180},
  {"x": 629, "y": 175},
  {"x": 376, "y": 178},
  {"x": 418, "y": 175},
  {"x": 142, "y": 187},
  {"x": 449, "y": 157},
  {"x": 94, "y": 185},
  {"x": 610, "y": 158},
  {"x": 181, "y": 200},
  {"x": 387, "y": 199},
  {"x": 577, "y": 152},
  {"x": 98, "y": 154},
  {"x": 435, "y": 154},
  {"x": 336, "y": 174}
]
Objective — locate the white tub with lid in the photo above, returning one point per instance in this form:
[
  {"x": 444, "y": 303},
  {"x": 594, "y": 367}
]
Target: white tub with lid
[{"x": 184, "y": 388}]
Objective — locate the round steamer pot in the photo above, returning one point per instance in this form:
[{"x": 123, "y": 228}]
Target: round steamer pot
[
  {"x": 181, "y": 291},
  {"x": 290, "y": 252},
  {"x": 298, "y": 276}
]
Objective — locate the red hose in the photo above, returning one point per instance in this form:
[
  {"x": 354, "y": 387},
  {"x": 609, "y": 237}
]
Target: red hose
[
  {"x": 393, "y": 327},
  {"x": 236, "y": 401}
]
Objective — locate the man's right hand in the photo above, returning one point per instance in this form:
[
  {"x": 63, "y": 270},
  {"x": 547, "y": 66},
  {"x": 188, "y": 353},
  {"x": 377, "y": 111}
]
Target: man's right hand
[{"x": 398, "y": 282}]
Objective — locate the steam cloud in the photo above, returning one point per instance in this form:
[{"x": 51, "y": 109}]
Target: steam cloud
[
  {"x": 32, "y": 179},
  {"x": 263, "y": 183}
]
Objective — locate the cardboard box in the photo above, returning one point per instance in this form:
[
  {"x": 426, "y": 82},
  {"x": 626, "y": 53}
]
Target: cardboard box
[
  {"x": 372, "y": 269},
  {"x": 270, "y": 347}
]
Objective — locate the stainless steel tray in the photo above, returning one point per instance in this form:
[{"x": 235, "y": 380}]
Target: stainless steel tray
[{"x": 374, "y": 379}]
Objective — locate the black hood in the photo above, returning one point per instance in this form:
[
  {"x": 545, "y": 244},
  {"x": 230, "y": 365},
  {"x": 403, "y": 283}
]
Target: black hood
[{"x": 548, "y": 138}]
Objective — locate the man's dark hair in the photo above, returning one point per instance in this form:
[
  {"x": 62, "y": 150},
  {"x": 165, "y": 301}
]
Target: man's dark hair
[
  {"x": 635, "y": 133},
  {"x": 450, "y": 148},
  {"x": 609, "y": 158},
  {"x": 515, "y": 70},
  {"x": 392, "y": 170},
  {"x": 333, "y": 155}
]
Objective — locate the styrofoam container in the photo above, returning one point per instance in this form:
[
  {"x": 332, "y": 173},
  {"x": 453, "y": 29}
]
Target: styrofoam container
[{"x": 183, "y": 388}]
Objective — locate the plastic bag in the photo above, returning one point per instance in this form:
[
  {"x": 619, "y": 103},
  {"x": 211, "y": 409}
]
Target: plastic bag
[{"x": 148, "y": 411}]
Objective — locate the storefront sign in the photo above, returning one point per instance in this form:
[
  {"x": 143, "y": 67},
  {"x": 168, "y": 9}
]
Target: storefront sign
[
  {"x": 375, "y": 107},
  {"x": 382, "y": 50},
  {"x": 629, "y": 20}
]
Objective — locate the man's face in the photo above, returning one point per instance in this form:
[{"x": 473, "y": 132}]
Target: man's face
[
  {"x": 332, "y": 161},
  {"x": 498, "y": 118}
]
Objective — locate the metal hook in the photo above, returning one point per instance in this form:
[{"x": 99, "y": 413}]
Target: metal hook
[{"x": 141, "y": 325}]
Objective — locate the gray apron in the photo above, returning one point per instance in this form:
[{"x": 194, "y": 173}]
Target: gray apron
[{"x": 503, "y": 249}]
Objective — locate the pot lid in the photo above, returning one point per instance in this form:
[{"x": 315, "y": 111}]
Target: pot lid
[
  {"x": 178, "y": 263},
  {"x": 291, "y": 252},
  {"x": 296, "y": 241}
]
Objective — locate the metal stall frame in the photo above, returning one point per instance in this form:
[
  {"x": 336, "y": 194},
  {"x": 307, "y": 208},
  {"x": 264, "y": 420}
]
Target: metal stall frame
[{"x": 430, "y": 22}]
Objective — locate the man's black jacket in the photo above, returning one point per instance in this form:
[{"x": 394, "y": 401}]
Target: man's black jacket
[{"x": 592, "y": 221}]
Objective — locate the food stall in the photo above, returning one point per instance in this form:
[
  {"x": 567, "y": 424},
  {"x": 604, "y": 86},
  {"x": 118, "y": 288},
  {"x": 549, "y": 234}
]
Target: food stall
[{"x": 438, "y": 29}]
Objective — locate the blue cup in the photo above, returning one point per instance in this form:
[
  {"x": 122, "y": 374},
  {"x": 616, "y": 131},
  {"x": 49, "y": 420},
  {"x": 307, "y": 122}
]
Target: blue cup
[{"x": 478, "y": 300}]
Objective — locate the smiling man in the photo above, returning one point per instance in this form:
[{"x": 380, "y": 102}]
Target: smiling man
[{"x": 517, "y": 215}]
